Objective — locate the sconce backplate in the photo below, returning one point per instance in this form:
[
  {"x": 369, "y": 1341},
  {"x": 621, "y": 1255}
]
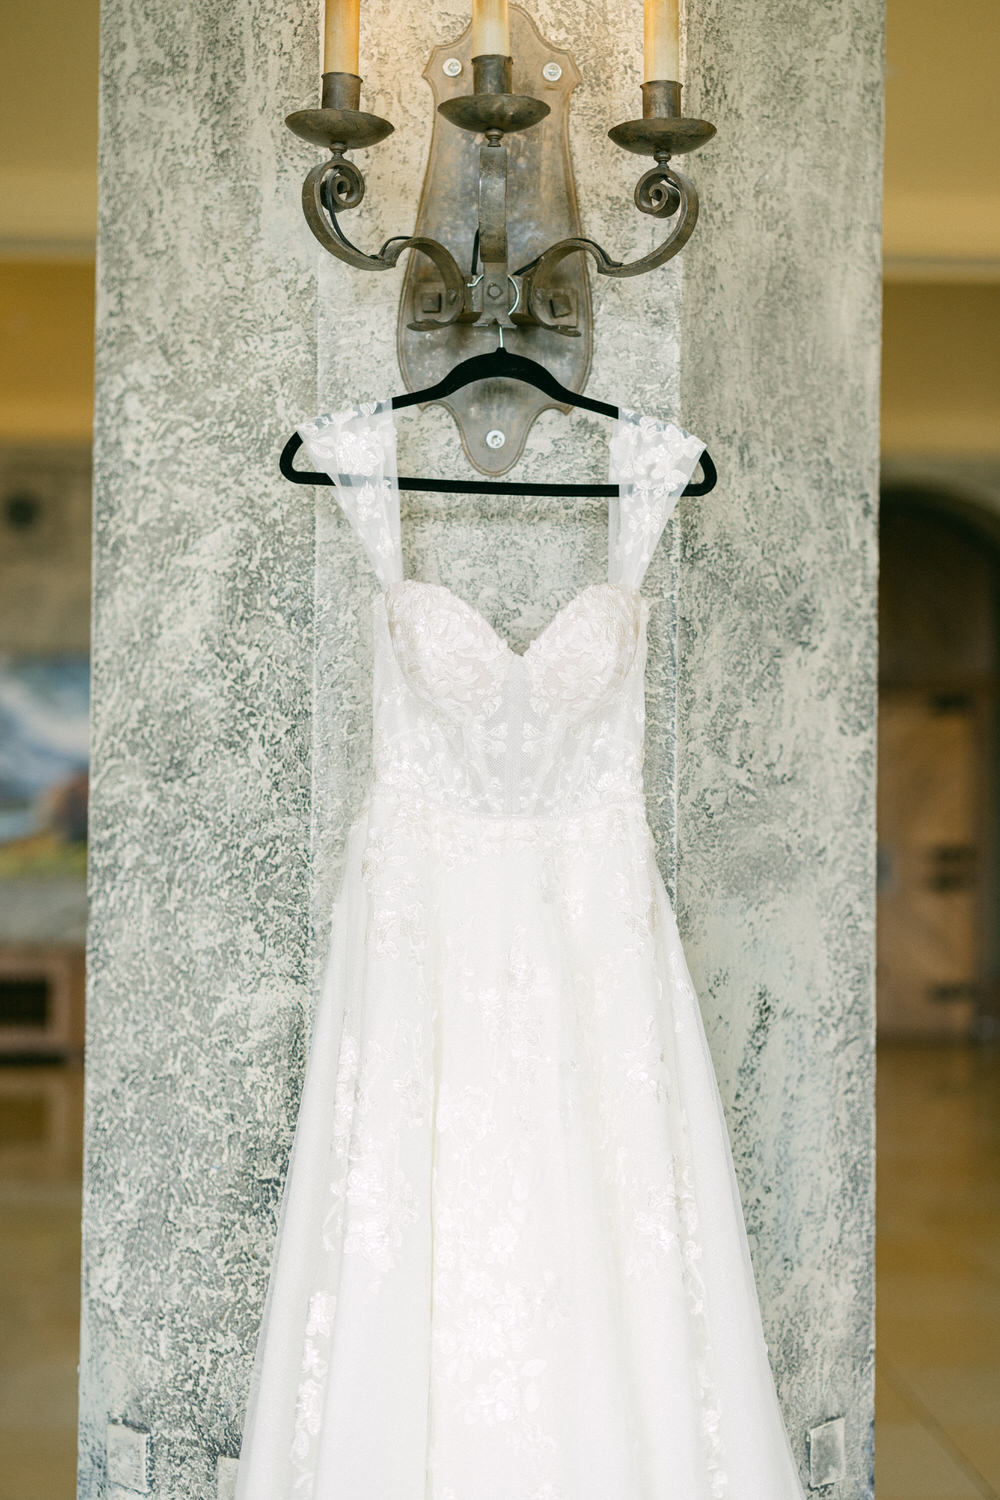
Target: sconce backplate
[{"x": 542, "y": 209}]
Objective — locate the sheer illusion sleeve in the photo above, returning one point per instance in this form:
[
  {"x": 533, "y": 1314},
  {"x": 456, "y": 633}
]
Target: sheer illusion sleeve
[
  {"x": 651, "y": 461},
  {"x": 357, "y": 448}
]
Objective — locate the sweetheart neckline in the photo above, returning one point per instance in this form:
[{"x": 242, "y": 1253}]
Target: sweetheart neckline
[{"x": 477, "y": 614}]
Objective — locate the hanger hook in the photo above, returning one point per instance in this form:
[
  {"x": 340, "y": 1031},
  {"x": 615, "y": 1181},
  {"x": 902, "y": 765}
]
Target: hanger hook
[{"x": 512, "y": 309}]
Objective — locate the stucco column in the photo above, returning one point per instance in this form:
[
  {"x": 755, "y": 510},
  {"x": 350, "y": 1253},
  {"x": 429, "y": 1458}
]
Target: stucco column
[
  {"x": 777, "y": 680},
  {"x": 231, "y": 691}
]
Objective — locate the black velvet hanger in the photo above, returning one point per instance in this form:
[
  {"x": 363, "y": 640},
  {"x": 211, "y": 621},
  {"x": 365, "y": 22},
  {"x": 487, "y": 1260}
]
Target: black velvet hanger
[{"x": 500, "y": 363}]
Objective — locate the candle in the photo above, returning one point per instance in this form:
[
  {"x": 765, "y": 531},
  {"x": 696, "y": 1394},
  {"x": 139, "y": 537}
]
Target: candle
[
  {"x": 340, "y": 36},
  {"x": 490, "y": 28},
  {"x": 660, "y": 58}
]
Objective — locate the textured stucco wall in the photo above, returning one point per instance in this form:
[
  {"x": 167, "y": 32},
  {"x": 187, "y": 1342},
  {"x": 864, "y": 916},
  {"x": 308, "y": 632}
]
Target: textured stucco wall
[
  {"x": 202, "y": 657},
  {"x": 231, "y": 653},
  {"x": 777, "y": 666}
]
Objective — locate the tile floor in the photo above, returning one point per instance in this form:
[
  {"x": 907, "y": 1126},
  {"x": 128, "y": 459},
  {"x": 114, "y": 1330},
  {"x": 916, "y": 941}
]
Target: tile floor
[
  {"x": 937, "y": 1406},
  {"x": 937, "y": 1434},
  {"x": 41, "y": 1118}
]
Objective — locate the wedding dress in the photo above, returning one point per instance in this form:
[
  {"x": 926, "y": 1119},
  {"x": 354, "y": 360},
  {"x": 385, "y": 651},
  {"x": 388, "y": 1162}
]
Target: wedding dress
[{"x": 511, "y": 1259}]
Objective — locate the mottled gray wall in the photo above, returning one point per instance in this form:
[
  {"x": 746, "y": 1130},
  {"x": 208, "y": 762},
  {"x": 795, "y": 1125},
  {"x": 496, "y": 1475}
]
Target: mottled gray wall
[
  {"x": 231, "y": 695},
  {"x": 777, "y": 665},
  {"x": 199, "y": 936}
]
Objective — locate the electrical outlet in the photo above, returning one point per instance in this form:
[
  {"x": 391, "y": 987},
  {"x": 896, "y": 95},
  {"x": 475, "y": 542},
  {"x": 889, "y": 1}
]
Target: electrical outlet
[
  {"x": 827, "y": 1453},
  {"x": 126, "y": 1451}
]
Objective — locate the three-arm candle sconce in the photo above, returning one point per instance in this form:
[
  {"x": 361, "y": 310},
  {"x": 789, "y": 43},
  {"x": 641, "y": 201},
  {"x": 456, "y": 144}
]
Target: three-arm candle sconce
[{"x": 515, "y": 264}]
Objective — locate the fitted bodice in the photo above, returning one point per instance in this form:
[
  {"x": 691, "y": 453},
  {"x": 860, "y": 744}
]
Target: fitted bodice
[{"x": 463, "y": 721}]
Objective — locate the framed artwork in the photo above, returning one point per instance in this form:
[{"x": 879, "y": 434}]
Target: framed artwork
[{"x": 44, "y": 715}]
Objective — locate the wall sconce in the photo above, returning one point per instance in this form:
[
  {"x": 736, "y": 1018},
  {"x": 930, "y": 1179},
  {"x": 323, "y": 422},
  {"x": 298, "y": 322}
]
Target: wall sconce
[{"x": 524, "y": 254}]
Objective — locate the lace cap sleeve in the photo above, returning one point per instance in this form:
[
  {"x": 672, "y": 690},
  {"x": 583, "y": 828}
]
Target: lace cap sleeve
[
  {"x": 357, "y": 448},
  {"x": 651, "y": 462}
]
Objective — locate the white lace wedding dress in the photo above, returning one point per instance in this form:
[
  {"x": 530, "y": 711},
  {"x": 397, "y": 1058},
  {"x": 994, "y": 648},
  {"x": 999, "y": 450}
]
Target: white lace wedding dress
[{"x": 511, "y": 1260}]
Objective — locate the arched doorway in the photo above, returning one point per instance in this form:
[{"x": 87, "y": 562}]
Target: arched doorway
[{"x": 939, "y": 662}]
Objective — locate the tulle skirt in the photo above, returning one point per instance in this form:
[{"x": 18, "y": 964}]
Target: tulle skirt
[{"x": 511, "y": 1261}]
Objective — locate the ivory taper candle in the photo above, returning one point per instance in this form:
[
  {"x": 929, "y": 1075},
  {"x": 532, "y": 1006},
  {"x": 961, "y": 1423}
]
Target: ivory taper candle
[
  {"x": 341, "y": 36},
  {"x": 490, "y": 28},
  {"x": 660, "y": 49}
]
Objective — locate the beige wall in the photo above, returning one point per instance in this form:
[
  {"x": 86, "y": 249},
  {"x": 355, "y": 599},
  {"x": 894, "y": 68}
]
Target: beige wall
[
  {"x": 48, "y": 126},
  {"x": 46, "y": 415},
  {"x": 46, "y": 351},
  {"x": 941, "y": 231},
  {"x": 48, "y": 218},
  {"x": 941, "y": 369},
  {"x": 942, "y": 187}
]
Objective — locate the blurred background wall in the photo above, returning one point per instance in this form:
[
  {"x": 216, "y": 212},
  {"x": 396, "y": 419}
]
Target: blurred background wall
[
  {"x": 938, "y": 1171},
  {"x": 938, "y": 929},
  {"x": 48, "y": 193},
  {"x": 939, "y": 787}
]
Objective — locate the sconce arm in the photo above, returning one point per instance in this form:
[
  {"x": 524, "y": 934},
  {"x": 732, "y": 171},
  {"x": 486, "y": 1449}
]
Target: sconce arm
[
  {"x": 338, "y": 184},
  {"x": 662, "y": 192}
]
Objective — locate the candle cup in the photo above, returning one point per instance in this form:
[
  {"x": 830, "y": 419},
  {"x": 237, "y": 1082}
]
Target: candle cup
[
  {"x": 492, "y": 73},
  {"x": 661, "y": 99},
  {"x": 492, "y": 109},
  {"x": 663, "y": 131},
  {"x": 339, "y": 124},
  {"x": 342, "y": 91}
]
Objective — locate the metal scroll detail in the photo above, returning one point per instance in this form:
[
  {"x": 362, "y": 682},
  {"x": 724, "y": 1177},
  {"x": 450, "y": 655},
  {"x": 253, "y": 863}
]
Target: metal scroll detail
[
  {"x": 669, "y": 193},
  {"x": 466, "y": 184}
]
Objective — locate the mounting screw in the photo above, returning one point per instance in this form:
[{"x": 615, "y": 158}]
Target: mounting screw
[
  {"x": 552, "y": 71},
  {"x": 495, "y": 438},
  {"x": 451, "y": 67}
]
